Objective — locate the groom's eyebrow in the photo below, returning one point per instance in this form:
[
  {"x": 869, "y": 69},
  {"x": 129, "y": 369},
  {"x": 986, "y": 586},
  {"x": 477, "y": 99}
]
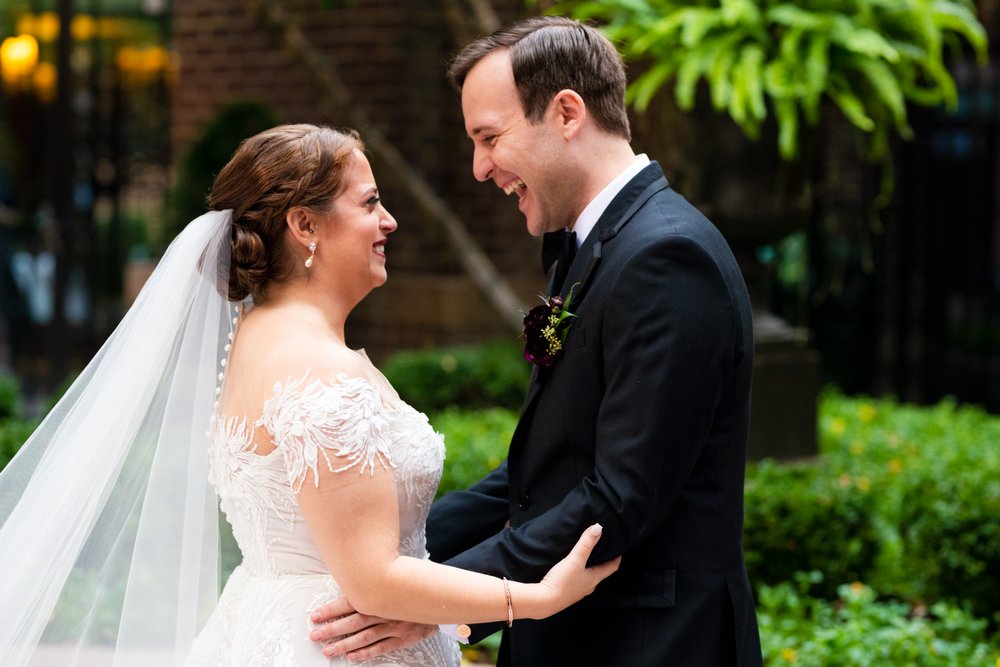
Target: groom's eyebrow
[{"x": 476, "y": 131}]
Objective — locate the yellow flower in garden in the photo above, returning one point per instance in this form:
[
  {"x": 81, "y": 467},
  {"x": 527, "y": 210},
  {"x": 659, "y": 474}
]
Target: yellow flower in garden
[
  {"x": 838, "y": 426},
  {"x": 791, "y": 655},
  {"x": 866, "y": 412},
  {"x": 895, "y": 466},
  {"x": 864, "y": 484},
  {"x": 857, "y": 587}
]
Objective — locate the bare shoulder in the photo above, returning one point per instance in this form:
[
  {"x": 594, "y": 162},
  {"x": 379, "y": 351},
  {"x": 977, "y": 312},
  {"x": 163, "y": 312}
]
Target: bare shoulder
[{"x": 276, "y": 346}]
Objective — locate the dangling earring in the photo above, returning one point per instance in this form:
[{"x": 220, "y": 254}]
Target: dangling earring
[{"x": 312, "y": 254}]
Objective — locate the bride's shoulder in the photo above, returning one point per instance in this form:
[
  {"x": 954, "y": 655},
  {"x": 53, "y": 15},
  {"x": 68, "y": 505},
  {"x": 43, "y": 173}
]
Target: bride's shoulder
[{"x": 283, "y": 350}]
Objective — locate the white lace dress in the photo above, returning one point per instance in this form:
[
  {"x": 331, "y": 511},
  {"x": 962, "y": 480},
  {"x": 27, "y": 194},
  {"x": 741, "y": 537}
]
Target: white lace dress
[{"x": 263, "y": 613}]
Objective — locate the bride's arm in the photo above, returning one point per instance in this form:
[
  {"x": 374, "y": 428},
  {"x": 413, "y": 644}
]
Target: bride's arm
[{"x": 354, "y": 520}]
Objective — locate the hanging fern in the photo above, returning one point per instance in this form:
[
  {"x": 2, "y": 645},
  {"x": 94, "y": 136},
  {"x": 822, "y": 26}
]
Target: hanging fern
[{"x": 868, "y": 57}]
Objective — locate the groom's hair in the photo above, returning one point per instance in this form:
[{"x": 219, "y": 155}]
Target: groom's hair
[{"x": 553, "y": 53}]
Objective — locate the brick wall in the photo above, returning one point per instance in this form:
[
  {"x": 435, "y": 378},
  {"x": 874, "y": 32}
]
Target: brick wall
[{"x": 391, "y": 55}]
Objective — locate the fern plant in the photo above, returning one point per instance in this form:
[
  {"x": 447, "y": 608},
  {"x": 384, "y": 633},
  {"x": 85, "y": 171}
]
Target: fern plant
[{"x": 868, "y": 57}]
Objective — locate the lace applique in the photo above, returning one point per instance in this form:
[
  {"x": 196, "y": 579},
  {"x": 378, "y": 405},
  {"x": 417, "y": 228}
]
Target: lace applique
[{"x": 308, "y": 419}]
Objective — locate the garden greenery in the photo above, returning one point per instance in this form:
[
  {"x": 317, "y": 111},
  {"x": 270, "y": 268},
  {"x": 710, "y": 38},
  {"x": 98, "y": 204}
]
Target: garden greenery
[
  {"x": 490, "y": 375},
  {"x": 868, "y": 57},
  {"x": 860, "y": 629}
]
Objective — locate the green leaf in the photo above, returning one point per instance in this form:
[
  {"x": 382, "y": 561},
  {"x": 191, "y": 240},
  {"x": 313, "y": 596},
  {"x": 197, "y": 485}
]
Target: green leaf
[
  {"x": 778, "y": 80},
  {"x": 793, "y": 17},
  {"x": 817, "y": 70},
  {"x": 740, "y": 12},
  {"x": 961, "y": 20},
  {"x": 753, "y": 74},
  {"x": 641, "y": 92},
  {"x": 688, "y": 75},
  {"x": 698, "y": 21},
  {"x": 720, "y": 72},
  {"x": 660, "y": 31},
  {"x": 885, "y": 86},
  {"x": 846, "y": 33},
  {"x": 851, "y": 106},
  {"x": 788, "y": 128}
]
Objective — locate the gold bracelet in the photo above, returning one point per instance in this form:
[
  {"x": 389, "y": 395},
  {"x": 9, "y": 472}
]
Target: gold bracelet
[{"x": 510, "y": 606}]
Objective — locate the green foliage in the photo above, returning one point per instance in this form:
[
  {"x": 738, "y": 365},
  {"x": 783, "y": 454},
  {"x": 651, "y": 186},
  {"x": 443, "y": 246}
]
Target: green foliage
[
  {"x": 799, "y": 517},
  {"x": 13, "y": 431},
  {"x": 481, "y": 376},
  {"x": 476, "y": 442},
  {"x": 859, "y": 630},
  {"x": 13, "y": 434},
  {"x": 206, "y": 156},
  {"x": 10, "y": 396},
  {"x": 868, "y": 57},
  {"x": 905, "y": 498}
]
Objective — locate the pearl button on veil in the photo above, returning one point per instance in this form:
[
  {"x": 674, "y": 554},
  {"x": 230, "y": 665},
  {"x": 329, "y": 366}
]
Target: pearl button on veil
[{"x": 109, "y": 548}]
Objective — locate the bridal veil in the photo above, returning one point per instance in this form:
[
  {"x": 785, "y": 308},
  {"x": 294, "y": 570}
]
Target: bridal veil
[{"x": 109, "y": 547}]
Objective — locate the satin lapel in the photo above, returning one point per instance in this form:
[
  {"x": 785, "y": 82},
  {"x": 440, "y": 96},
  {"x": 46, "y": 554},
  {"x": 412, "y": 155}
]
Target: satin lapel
[{"x": 637, "y": 192}]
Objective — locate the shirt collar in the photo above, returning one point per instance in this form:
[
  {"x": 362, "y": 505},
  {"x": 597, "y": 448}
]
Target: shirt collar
[{"x": 593, "y": 211}]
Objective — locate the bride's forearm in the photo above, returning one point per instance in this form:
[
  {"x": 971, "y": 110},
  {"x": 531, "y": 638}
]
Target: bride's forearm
[{"x": 411, "y": 589}]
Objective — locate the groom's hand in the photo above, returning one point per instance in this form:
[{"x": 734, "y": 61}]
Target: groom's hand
[{"x": 343, "y": 631}]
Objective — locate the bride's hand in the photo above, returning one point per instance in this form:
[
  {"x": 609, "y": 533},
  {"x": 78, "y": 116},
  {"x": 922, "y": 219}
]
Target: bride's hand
[{"x": 570, "y": 580}]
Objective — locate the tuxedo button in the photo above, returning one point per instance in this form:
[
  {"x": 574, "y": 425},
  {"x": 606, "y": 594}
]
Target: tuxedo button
[{"x": 524, "y": 502}]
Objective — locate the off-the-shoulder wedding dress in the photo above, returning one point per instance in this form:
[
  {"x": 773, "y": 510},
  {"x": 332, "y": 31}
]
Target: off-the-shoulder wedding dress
[{"x": 349, "y": 426}]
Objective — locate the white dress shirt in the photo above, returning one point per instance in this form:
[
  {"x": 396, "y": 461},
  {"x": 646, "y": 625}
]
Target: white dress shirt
[{"x": 593, "y": 211}]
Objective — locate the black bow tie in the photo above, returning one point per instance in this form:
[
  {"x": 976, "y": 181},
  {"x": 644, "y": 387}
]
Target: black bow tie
[{"x": 558, "y": 247}]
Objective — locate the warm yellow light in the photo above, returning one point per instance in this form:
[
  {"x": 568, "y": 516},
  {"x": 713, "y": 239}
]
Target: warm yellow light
[
  {"x": 84, "y": 27},
  {"x": 44, "y": 80},
  {"x": 18, "y": 57},
  {"x": 26, "y": 24},
  {"x": 155, "y": 59},
  {"x": 141, "y": 65},
  {"x": 127, "y": 58},
  {"x": 47, "y": 27}
]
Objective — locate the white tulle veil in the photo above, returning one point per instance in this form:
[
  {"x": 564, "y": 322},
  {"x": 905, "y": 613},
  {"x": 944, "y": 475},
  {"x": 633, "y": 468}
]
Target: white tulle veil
[{"x": 109, "y": 529}]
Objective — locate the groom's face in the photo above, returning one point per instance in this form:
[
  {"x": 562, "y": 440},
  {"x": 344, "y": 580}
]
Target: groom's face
[{"x": 522, "y": 158}]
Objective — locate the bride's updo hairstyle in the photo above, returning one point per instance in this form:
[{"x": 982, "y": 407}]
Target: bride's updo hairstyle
[{"x": 271, "y": 172}]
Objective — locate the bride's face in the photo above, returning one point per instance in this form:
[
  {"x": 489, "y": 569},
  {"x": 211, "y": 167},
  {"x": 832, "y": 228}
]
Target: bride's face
[{"x": 352, "y": 237}]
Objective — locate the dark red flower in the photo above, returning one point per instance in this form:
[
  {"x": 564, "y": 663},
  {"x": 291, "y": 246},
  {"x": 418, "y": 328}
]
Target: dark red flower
[{"x": 545, "y": 329}]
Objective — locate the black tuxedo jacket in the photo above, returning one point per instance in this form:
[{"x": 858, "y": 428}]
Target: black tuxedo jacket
[{"x": 641, "y": 425}]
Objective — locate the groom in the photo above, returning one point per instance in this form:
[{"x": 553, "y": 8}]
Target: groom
[{"x": 640, "y": 423}]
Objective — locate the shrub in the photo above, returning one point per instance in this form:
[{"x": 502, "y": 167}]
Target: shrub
[
  {"x": 859, "y": 629},
  {"x": 476, "y": 443},
  {"x": 10, "y": 396},
  {"x": 937, "y": 470},
  {"x": 13, "y": 433},
  {"x": 906, "y": 498},
  {"x": 491, "y": 375},
  {"x": 801, "y": 517}
]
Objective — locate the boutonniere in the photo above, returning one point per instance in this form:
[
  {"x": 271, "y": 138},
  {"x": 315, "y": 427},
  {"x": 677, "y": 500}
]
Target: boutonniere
[{"x": 545, "y": 329}]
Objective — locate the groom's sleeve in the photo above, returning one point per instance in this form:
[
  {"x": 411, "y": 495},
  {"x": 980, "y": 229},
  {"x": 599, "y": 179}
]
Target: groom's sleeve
[
  {"x": 462, "y": 519},
  {"x": 668, "y": 331}
]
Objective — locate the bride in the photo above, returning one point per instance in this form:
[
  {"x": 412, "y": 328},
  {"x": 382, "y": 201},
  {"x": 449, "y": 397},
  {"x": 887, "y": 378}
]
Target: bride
[{"x": 109, "y": 535}]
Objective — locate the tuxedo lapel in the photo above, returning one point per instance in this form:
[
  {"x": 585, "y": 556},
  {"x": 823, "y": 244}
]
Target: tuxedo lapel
[{"x": 637, "y": 192}]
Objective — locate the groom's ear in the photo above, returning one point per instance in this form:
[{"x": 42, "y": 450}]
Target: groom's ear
[
  {"x": 570, "y": 112},
  {"x": 300, "y": 225}
]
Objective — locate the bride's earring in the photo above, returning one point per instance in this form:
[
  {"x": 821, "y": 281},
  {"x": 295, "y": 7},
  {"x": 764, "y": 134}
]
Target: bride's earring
[{"x": 312, "y": 254}]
